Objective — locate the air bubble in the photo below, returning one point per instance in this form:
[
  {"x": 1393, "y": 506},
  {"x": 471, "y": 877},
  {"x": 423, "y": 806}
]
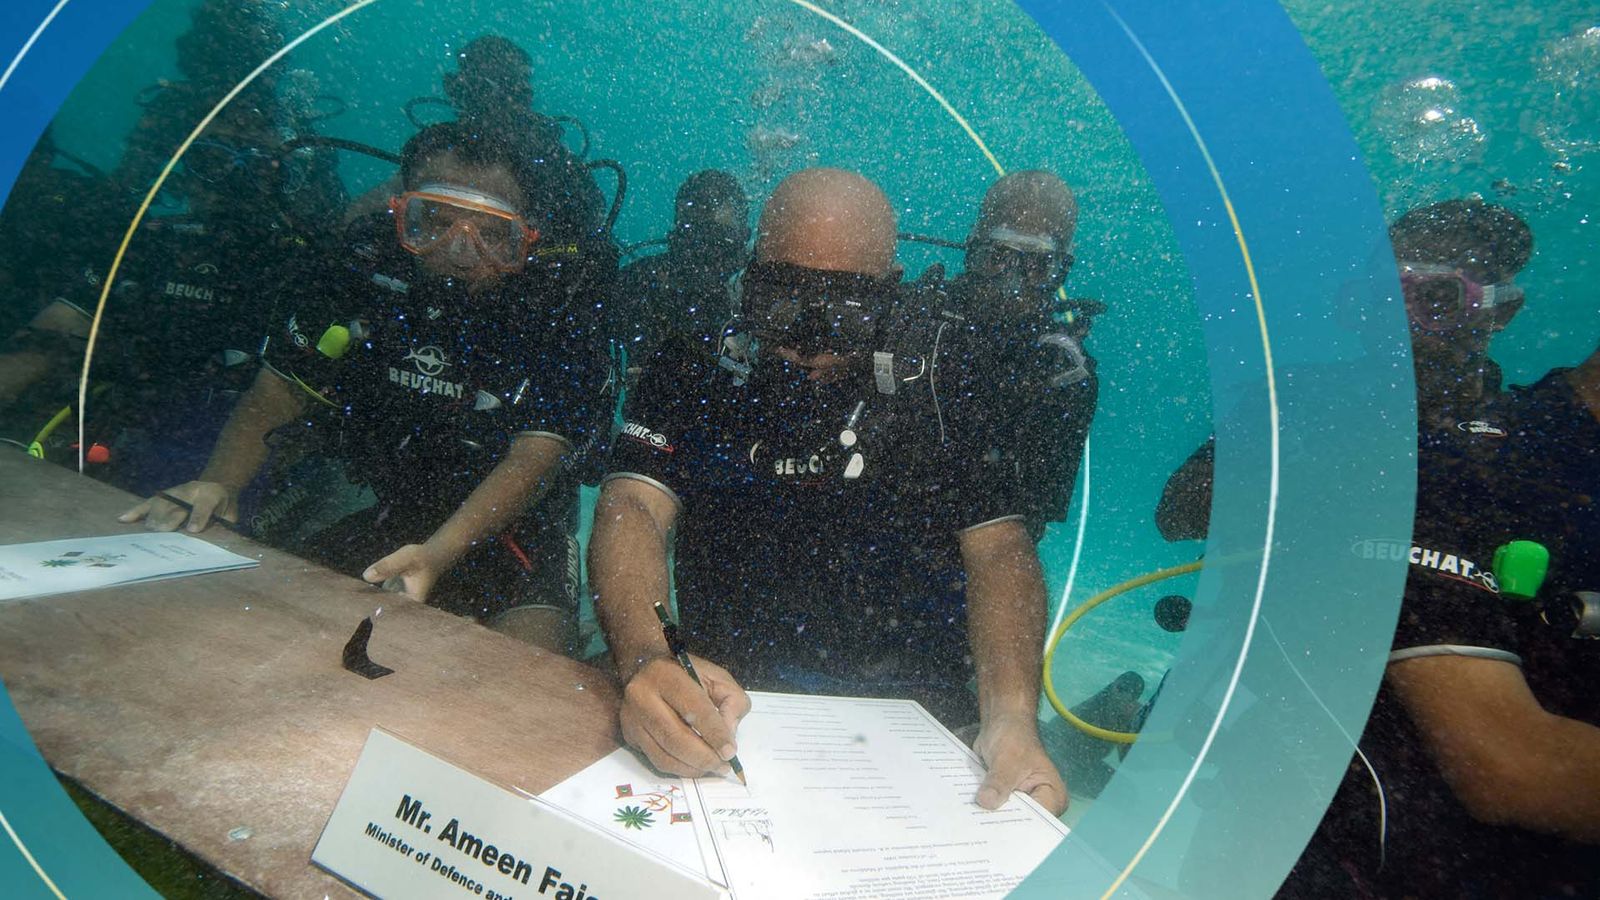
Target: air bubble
[
  {"x": 1566, "y": 72},
  {"x": 1422, "y": 122}
]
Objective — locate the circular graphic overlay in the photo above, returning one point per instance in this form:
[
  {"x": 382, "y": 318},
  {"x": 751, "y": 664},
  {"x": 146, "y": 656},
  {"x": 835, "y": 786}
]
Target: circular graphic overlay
[{"x": 1279, "y": 661}]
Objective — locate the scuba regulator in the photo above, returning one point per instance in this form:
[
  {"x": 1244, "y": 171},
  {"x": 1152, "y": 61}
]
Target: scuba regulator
[{"x": 1520, "y": 568}]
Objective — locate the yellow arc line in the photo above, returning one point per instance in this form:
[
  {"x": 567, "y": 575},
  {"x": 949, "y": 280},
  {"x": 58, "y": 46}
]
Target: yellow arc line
[
  {"x": 37, "y": 870},
  {"x": 133, "y": 226},
  {"x": 922, "y": 82}
]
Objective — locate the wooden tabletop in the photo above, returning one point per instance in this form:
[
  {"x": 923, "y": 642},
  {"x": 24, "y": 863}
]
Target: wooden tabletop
[{"x": 208, "y": 704}]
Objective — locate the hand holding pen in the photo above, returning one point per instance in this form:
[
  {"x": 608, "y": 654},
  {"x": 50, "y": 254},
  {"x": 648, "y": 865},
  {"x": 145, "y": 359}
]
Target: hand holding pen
[
  {"x": 669, "y": 630},
  {"x": 684, "y": 726}
]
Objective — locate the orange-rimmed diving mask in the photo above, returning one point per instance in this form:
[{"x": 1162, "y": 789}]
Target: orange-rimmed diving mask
[{"x": 468, "y": 225}]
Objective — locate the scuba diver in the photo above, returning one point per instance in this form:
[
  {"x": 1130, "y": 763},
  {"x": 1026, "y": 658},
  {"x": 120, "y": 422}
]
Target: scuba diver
[
  {"x": 817, "y": 514},
  {"x": 59, "y": 218},
  {"x": 492, "y": 87},
  {"x": 1450, "y": 253},
  {"x": 687, "y": 289},
  {"x": 226, "y": 40},
  {"x": 1482, "y": 742},
  {"x": 450, "y": 358},
  {"x": 182, "y": 325},
  {"x": 1040, "y": 389}
]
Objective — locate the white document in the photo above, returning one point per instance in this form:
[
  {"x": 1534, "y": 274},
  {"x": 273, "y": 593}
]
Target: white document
[
  {"x": 862, "y": 798},
  {"x": 82, "y": 564},
  {"x": 633, "y": 803}
]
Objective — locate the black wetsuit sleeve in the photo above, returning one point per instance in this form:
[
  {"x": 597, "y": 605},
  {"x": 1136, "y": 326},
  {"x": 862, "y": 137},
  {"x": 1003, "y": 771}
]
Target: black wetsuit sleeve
[
  {"x": 1059, "y": 429},
  {"x": 568, "y": 381},
  {"x": 661, "y": 429},
  {"x": 1184, "y": 512}
]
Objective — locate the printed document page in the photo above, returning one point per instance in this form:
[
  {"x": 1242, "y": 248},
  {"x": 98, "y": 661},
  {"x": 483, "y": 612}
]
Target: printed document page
[
  {"x": 82, "y": 564},
  {"x": 862, "y": 798},
  {"x": 625, "y": 798}
]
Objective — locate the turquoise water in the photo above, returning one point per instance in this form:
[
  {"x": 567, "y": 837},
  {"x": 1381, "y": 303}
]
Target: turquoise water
[{"x": 671, "y": 87}]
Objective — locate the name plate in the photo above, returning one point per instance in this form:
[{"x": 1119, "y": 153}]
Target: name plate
[{"x": 410, "y": 825}]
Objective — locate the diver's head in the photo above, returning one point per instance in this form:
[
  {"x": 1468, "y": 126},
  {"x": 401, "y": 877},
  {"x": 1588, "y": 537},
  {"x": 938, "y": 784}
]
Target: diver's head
[
  {"x": 235, "y": 173},
  {"x": 711, "y": 224},
  {"x": 1457, "y": 260},
  {"x": 226, "y": 40},
  {"x": 493, "y": 80},
  {"x": 464, "y": 212},
  {"x": 824, "y": 273},
  {"x": 1019, "y": 250}
]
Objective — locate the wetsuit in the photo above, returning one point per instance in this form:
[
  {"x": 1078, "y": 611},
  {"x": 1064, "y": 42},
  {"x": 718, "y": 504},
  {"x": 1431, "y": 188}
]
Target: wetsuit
[
  {"x": 178, "y": 344},
  {"x": 1034, "y": 392},
  {"x": 429, "y": 391},
  {"x": 661, "y": 296},
  {"x": 790, "y": 572},
  {"x": 1481, "y": 483}
]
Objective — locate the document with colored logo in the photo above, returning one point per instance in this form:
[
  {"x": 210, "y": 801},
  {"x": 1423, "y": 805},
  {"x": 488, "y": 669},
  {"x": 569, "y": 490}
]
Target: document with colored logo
[{"x": 83, "y": 564}]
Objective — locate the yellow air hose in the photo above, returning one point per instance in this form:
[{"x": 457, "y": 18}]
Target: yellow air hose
[
  {"x": 1095, "y": 731},
  {"x": 36, "y": 449}
]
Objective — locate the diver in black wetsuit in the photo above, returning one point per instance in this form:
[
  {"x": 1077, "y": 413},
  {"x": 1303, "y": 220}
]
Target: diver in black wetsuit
[
  {"x": 686, "y": 290},
  {"x": 1483, "y": 736},
  {"x": 182, "y": 325},
  {"x": 450, "y": 357},
  {"x": 492, "y": 87},
  {"x": 1038, "y": 387},
  {"x": 816, "y": 514}
]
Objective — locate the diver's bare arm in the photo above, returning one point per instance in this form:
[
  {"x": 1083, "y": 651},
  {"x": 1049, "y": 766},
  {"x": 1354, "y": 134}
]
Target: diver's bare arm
[
  {"x": 628, "y": 568},
  {"x": 241, "y": 448},
  {"x": 20, "y": 369},
  {"x": 1507, "y": 759},
  {"x": 1005, "y": 613},
  {"x": 516, "y": 483}
]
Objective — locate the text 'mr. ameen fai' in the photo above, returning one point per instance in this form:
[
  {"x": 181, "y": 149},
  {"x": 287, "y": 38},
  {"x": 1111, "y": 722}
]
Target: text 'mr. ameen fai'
[{"x": 410, "y": 812}]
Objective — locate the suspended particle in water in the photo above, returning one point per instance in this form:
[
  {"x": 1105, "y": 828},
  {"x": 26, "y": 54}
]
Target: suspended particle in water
[
  {"x": 1568, "y": 71},
  {"x": 763, "y": 139},
  {"x": 808, "y": 51},
  {"x": 1422, "y": 123}
]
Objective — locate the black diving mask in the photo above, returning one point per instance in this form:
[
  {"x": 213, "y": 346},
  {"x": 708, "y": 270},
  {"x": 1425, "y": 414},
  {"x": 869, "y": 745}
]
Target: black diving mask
[{"x": 811, "y": 310}]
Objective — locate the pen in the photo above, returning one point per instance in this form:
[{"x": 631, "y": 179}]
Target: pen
[
  {"x": 176, "y": 501},
  {"x": 669, "y": 630}
]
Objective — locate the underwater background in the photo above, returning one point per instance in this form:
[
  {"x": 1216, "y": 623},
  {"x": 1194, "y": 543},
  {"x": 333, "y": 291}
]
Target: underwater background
[{"x": 1446, "y": 99}]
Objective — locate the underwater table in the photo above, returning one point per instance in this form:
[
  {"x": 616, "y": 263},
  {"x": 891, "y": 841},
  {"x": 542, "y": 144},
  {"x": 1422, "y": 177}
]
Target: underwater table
[{"x": 215, "y": 709}]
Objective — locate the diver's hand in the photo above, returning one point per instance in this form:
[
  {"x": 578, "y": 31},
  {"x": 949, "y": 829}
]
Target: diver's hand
[
  {"x": 1009, "y": 745},
  {"x": 683, "y": 728},
  {"x": 206, "y": 500},
  {"x": 415, "y": 565}
]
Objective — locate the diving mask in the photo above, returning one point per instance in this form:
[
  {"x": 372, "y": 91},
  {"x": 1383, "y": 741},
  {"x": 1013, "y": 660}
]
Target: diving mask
[
  {"x": 814, "y": 309},
  {"x": 217, "y": 163},
  {"x": 1441, "y": 298},
  {"x": 1017, "y": 261},
  {"x": 466, "y": 224}
]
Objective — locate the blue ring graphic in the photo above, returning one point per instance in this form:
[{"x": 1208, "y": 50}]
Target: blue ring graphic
[{"x": 1262, "y": 182}]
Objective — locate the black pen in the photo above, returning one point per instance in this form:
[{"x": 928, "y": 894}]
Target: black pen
[
  {"x": 669, "y": 630},
  {"x": 177, "y": 501}
]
